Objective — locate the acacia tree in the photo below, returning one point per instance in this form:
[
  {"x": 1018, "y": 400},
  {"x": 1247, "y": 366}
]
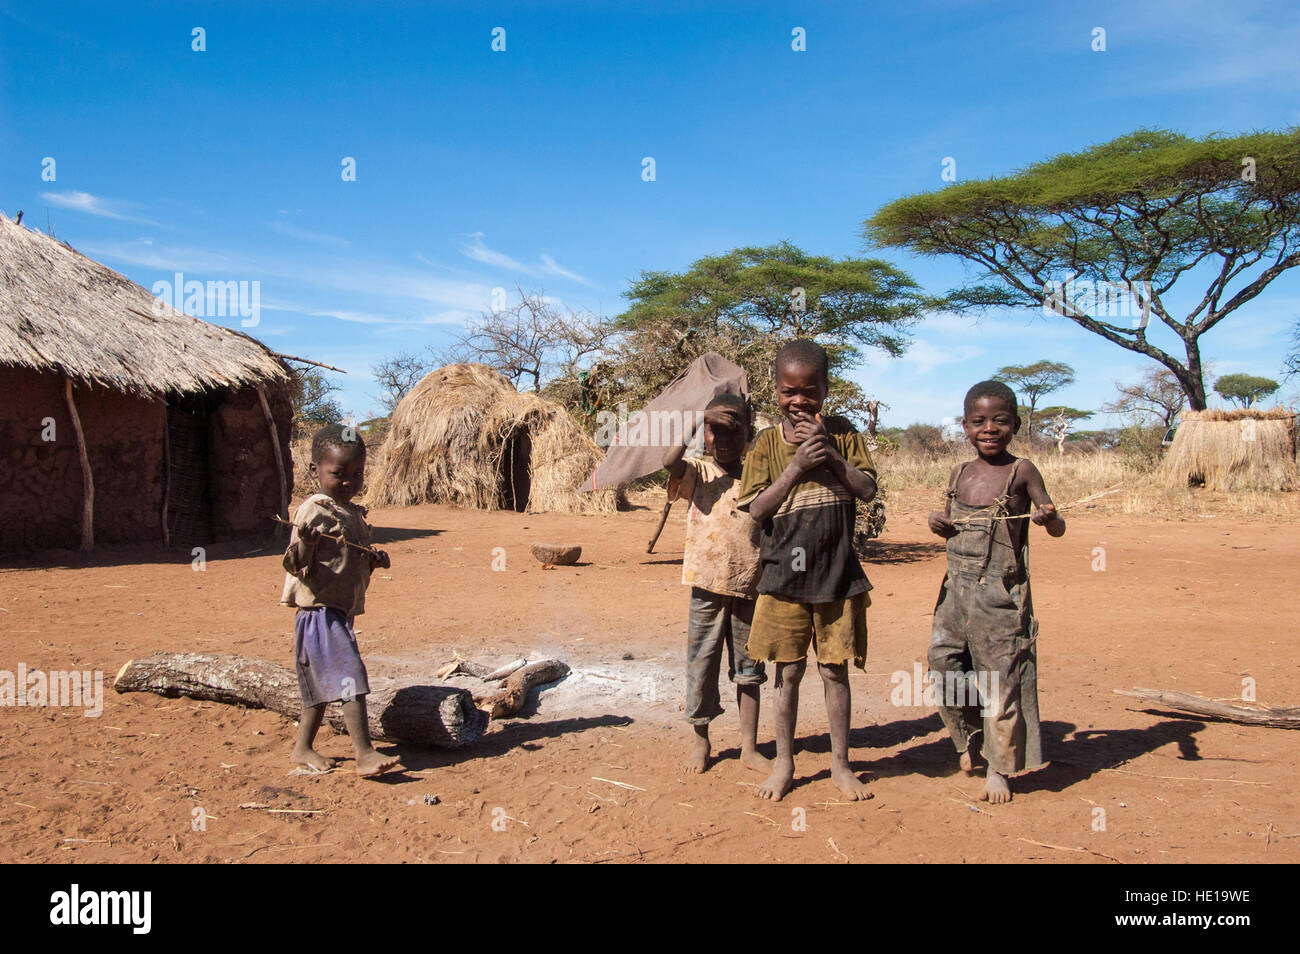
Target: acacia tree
[
  {"x": 1244, "y": 389},
  {"x": 744, "y": 304},
  {"x": 1032, "y": 381},
  {"x": 1143, "y": 213},
  {"x": 312, "y": 396},
  {"x": 1157, "y": 394}
]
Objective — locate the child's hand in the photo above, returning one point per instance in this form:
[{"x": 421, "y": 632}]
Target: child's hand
[
  {"x": 724, "y": 417},
  {"x": 1045, "y": 514},
  {"x": 309, "y": 535},
  {"x": 806, "y": 428},
  {"x": 941, "y": 526},
  {"x": 380, "y": 559},
  {"x": 813, "y": 452}
]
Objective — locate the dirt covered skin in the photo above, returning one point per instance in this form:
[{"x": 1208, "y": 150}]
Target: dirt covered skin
[{"x": 1196, "y": 605}]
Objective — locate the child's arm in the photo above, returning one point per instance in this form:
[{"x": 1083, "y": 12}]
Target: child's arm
[
  {"x": 809, "y": 455},
  {"x": 941, "y": 521},
  {"x": 1044, "y": 514},
  {"x": 718, "y": 417},
  {"x": 302, "y": 550}
]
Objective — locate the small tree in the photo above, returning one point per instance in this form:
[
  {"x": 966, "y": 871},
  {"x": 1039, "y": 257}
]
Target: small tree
[
  {"x": 1291, "y": 366},
  {"x": 532, "y": 341},
  {"x": 1158, "y": 394},
  {"x": 314, "y": 405},
  {"x": 1244, "y": 389},
  {"x": 1033, "y": 381},
  {"x": 397, "y": 375},
  {"x": 1061, "y": 421}
]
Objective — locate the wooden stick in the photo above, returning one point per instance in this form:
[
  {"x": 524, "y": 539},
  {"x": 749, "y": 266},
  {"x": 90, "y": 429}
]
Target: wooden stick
[
  {"x": 87, "y": 479},
  {"x": 289, "y": 357},
  {"x": 1043, "y": 844},
  {"x": 275, "y": 446},
  {"x": 1024, "y": 516},
  {"x": 167, "y": 476},
  {"x": 663, "y": 519},
  {"x": 333, "y": 536},
  {"x": 1200, "y": 706}
]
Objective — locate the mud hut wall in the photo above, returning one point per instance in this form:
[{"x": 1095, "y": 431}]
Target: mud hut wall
[
  {"x": 245, "y": 484},
  {"x": 124, "y": 440},
  {"x": 40, "y": 480}
]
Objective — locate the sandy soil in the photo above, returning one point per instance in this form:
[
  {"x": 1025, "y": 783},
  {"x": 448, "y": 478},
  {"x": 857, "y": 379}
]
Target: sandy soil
[{"x": 1195, "y": 605}]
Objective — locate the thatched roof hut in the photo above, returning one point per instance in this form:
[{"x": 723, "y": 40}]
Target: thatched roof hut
[
  {"x": 464, "y": 436},
  {"x": 1234, "y": 450},
  {"x": 126, "y": 420}
]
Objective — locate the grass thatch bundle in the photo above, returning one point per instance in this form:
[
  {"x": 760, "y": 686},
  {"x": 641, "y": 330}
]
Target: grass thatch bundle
[
  {"x": 1234, "y": 450},
  {"x": 464, "y": 436}
]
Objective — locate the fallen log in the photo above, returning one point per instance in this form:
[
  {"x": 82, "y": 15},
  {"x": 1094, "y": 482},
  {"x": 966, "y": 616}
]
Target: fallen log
[
  {"x": 510, "y": 698},
  {"x": 1198, "y": 705},
  {"x": 444, "y": 716}
]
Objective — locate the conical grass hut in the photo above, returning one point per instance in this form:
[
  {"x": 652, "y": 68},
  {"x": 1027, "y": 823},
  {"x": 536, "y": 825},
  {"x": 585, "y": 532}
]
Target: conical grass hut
[
  {"x": 1236, "y": 450},
  {"x": 124, "y": 420},
  {"x": 464, "y": 436}
]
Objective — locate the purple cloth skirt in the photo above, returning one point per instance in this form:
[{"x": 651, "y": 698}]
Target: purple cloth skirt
[{"x": 329, "y": 665}]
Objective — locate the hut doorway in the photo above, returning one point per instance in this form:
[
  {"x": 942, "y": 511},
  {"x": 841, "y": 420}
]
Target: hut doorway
[
  {"x": 516, "y": 463},
  {"x": 189, "y": 494}
]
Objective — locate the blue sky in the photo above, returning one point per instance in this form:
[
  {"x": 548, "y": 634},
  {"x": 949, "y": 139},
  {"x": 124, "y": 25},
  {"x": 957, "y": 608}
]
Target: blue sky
[{"x": 477, "y": 169}]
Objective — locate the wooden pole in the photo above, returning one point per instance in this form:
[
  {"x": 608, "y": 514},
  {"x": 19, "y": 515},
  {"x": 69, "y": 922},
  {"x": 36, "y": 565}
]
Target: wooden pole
[
  {"x": 87, "y": 480},
  {"x": 663, "y": 519},
  {"x": 167, "y": 475},
  {"x": 275, "y": 446}
]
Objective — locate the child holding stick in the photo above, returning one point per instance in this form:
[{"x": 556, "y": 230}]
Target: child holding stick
[
  {"x": 720, "y": 565},
  {"x": 800, "y": 483},
  {"x": 327, "y": 570},
  {"x": 984, "y": 620}
]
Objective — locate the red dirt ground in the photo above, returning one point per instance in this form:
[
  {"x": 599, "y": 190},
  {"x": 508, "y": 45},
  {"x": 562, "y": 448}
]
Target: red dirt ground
[{"x": 1194, "y": 605}]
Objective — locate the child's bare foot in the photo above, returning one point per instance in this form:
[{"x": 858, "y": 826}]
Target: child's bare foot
[
  {"x": 779, "y": 783},
  {"x": 698, "y": 760},
  {"x": 996, "y": 790},
  {"x": 753, "y": 759},
  {"x": 970, "y": 762},
  {"x": 311, "y": 758},
  {"x": 848, "y": 784},
  {"x": 372, "y": 763}
]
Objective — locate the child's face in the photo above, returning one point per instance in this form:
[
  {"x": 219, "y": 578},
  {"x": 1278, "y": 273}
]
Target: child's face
[
  {"x": 990, "y": 424},
  {"x": 340, "y": 472},
  {"x": 725, "y": 444},
  {"x": 800, "y": 390}
]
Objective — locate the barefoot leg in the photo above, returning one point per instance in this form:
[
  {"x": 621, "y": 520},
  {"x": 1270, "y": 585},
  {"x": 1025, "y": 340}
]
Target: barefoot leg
[
  {"x": 972, "y": 759},
  {"x": 698, "y": 759},
  {"x": 835, "y": 680},
  {"x": 747, "y": 703},
  {"x": 779, "y": 783},
  {"x": 303, "y": 753},
  {"x": 369, "y": 762}
]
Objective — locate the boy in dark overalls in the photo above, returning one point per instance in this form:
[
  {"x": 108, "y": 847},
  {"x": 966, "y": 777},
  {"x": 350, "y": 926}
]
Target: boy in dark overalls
[{"x": 984, "y": 622}]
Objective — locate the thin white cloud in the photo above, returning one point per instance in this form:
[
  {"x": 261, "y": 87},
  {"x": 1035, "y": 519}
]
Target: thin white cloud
[
  {"x": 481, "y": 253},
  {"x": 478, "y": 251},
  {"x": 306, "y": 235},
  {"x": 90, "y": 204}
]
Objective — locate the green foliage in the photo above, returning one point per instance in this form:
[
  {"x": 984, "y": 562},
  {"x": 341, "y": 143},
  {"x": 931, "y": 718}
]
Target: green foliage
[
  {"x": 1141, "y": 211},
  {"x": 1139, "y": 444},
  {"x": 746, "y": 303},
  {"x": 1244, "y": 389},
  {"x": 922, "y": 439}
]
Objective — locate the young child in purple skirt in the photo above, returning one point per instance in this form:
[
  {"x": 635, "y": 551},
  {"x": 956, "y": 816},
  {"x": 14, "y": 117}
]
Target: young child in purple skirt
[{"x": 326, "y": 580}]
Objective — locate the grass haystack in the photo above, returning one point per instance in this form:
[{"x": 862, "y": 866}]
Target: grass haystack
[
  {"x": 464, "y": 436},
  {"x": 1234, "y": 450}
]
